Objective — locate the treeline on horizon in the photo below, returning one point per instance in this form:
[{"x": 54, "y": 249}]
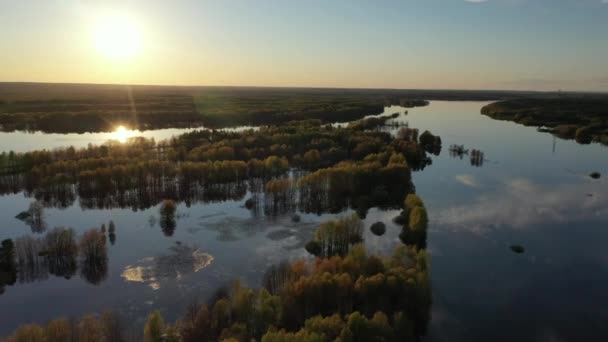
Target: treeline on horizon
[
  {"x": 79, "y": 108},
  {"x": 102, "y": 108},
  {"x": 332, "y": 168}
]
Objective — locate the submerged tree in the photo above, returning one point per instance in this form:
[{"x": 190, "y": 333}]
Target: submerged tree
[
  {"x": 167, "y": 217},
  {"x": 36, "y": 218},
  {"x": 336, "y": 237},
  {"x": 61, "y": 251},
  {"x": 93, "y": 256}
]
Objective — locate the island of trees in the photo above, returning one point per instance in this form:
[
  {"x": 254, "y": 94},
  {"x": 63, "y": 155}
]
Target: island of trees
[
  {"x": 583, "y": 118},
  {"x": 305, "y": 165}
]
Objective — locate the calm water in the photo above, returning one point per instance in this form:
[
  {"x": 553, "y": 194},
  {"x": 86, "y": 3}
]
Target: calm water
[
  {"x": 530, "y": 190},
  {"x": 20, "y": 141}
]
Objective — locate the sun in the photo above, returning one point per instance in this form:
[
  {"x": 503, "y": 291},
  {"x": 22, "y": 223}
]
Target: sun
[
  {"x": 117, "y": 36},
  {"x": 122, "y": 134}
]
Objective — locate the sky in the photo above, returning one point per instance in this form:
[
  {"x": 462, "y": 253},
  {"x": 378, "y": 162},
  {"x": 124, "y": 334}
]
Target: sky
[{"x": 439, "y": 44}]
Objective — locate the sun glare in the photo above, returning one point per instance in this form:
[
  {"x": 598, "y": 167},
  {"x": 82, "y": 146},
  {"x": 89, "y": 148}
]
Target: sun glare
[
  {"x": 122, "y": 134},
  {"x": 117, "y": 36}
]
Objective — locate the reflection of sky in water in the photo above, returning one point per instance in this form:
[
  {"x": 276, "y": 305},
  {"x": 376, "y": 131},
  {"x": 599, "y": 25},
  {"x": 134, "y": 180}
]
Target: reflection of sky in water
[
  {"x": 20, "y": 141},
  {"x": 525, "y": 193},
  {"x": 532, "y": 190}
]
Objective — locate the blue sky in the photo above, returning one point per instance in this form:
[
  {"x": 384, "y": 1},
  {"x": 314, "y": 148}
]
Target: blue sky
[{"x": 498, "y": 44}]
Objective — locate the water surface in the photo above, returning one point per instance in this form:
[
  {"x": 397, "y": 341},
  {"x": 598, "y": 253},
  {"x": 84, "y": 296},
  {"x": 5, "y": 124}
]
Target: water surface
[{"x": 530, "y": 189}]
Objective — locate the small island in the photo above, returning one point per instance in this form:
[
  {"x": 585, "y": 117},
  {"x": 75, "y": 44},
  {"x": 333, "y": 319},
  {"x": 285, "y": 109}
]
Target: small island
[{"x": 517, "y": 249}]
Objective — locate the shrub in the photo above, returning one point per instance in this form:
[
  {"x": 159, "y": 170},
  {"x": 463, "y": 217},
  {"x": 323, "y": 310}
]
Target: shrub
[
  {"x": 313, "y": 247},
  {"x": 583, "y": 135},
  {"x": 412, "y": 201},
  {"x": 378, "y": 228},
  {"x": 418, "y": 219},
  {"x": 155, "y": 327}
]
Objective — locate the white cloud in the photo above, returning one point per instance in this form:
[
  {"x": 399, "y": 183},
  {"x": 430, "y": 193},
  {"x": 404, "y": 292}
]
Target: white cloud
[
  {"x": 521, "y": 203},
  {"x": 467, "y": 180}
]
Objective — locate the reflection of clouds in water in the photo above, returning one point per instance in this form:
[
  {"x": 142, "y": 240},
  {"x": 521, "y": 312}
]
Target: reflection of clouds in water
[
  {"x": 231, "y": 228},
  {"x": 287, "y": 242},
  {"x": 520, "y": 203},
  {"x": 273, "y": 252},
  {"x": 181, "y": 261},
  {"x": 467, "y": 180}
]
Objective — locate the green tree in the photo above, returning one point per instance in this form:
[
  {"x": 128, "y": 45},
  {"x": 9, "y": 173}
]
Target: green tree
[
  {"x": 154, "y": 328},
  {"x": 418, "y": 219}
]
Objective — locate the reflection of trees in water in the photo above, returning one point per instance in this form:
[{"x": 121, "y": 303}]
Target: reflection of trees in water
[
  {"x": 93, "y": 256},
  {"x": 91, "y": 195},
  {"x": 94, "y": 271},
  {"x": 167, "y": 217},
  {"x": 8, "y": 267},
  {"x": 112, "y": 232},
  {"x": 34, "y": 217},
  {"x": 458, "y": 151},
  {"x": 37, "y": 217},
  {"x": 330, "y": 190},
  {"x": 58, "y": 254},
  {"x": 60, "y": 251},
  {"x": 476, "y": 157},
  {"x": 31, "y": 264},
  {"x": 56, "y": 195}
]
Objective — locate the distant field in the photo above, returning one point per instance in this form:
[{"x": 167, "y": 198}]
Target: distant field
[{"x": 89, "y": 107}]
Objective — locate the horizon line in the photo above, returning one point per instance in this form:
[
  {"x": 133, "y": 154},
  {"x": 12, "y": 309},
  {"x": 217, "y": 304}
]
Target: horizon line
[{"x": 311, "y": 87}]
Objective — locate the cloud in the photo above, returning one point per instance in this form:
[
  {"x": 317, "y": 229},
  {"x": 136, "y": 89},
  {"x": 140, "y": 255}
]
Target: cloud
[
  {"x": 467, "y": 180},
  {"x": 480, "y": 1},
  {"x": 520, "y": 203}
]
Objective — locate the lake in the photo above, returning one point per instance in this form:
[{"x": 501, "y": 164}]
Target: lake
[{"x": 529, "y": 189}]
